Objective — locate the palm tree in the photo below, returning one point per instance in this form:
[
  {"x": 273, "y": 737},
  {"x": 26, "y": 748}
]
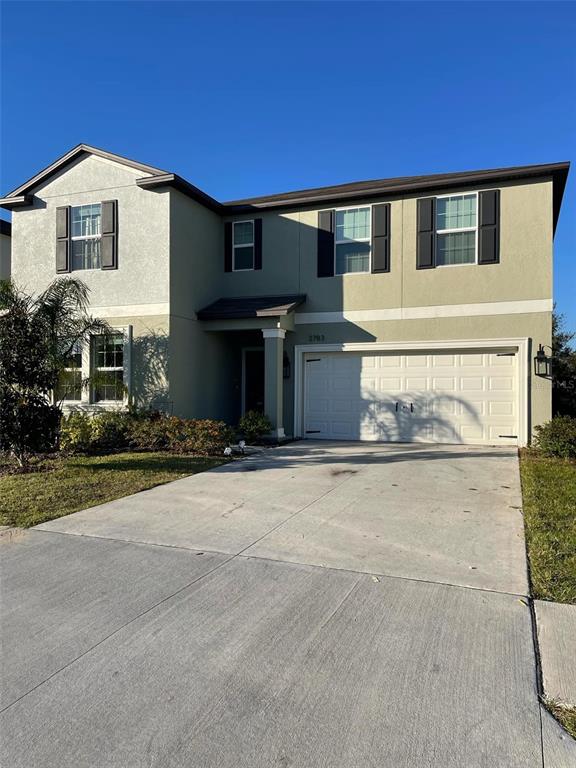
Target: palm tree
[{"x": 38, "y": 335}]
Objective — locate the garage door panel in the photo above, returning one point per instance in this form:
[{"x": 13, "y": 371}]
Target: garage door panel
[
  {"x": 389, "y": 361},
  {"x": 505, "y": 383},
  {"x": 471, "y": 383},
  {"x": 389, "y": 384},
  {"x": 416, "y": 361},
  {"x": 466, "y": 361},
  {"x": 503, "y": 360},
  {"x": 440, "y": 397},
  {"x": 443, "y": 361},
  {"x": 501, "y": 408}
]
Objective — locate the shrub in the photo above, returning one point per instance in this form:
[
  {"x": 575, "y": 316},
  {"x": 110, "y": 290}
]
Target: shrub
[
  {"x": 110, "y": 431},
  {"x": 557, "y": 437},
  {"x": 82, "y": 432},
  {"x": 149, "y": 434},
  {"x": 76, "y": 432},
  {"x": 144, "y": 431},
  {"x": 28, "y": 424},
  {"x": 254, "y": 425},
  {"x": 170, "y": 433}
]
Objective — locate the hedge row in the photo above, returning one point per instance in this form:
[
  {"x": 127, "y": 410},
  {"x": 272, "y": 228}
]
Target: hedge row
[{"x": 116, "y": 431}]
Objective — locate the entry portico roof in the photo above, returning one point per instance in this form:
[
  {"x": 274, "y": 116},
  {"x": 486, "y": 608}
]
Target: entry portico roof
[{"x": 241, "y": 307}]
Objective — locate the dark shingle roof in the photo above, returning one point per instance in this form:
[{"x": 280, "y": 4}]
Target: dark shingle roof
[{"x": 241, "y": 307}]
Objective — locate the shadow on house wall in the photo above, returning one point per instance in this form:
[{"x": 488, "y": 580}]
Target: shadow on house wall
[{"x": 150, "y": 371}]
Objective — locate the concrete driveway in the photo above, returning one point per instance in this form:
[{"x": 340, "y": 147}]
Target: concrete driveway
[{"x": 317, "y": 605}]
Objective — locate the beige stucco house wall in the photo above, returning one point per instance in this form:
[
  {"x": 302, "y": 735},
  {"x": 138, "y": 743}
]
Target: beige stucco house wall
[{"x": 171, "y": 265}]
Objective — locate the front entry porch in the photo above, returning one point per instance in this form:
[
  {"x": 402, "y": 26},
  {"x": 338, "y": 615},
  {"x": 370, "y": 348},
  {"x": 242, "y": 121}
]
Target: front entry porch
[{"x": 256, "y": 328}]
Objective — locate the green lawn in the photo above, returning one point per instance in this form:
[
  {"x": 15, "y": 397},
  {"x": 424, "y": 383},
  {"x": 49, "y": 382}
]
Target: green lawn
[
  {"x": 549, "y": 493},
  {"x": 62, "y": 485}
]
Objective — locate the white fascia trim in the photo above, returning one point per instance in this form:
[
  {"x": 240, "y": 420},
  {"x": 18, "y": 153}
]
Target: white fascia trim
[
  {"x": 521, "y": 344},
  {"x": 131, "y": 310},
  {"x": 418, "y": 313}
]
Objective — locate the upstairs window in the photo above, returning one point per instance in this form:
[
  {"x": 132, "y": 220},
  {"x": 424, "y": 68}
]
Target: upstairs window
[
  {"x": 352, "y": 241},
  {"x": 108, "y": 367},
  {"x": 70, "y": 385},
  {"x": 243, "y": 246},
  {"x": 456, "y": 229},
  {"x": 86, "y": 222}
]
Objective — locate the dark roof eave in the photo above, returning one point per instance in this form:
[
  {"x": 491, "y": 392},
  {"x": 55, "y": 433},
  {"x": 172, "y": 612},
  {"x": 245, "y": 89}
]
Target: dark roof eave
[
  {"x": 177, "y": 182},
  {"x": 390, "y": 187},
  {"x": 17, "y": 201}
]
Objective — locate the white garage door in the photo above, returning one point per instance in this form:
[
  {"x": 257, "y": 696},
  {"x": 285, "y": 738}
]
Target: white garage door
[{"x": 440, "y": 397}]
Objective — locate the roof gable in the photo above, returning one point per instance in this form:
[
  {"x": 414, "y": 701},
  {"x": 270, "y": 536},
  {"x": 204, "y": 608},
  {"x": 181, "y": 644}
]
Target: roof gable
[{"x": 73, "y": 156}]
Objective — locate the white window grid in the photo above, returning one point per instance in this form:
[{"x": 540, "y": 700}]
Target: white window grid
[
  {"x": 454, "y": 230},
  {"x": 74, "y": 369},
  {"x": 107, "y": 369},
  {"x": 243, "y": 245},
  {"x": 356, "y": 239},
  {"x": 77, "y": 238}
]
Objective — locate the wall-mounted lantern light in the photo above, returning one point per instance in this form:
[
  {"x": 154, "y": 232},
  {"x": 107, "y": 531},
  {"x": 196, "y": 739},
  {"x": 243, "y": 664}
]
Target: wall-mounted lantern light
[
  {"x": 542, "y": 362},
  {"x": 286, "y": 366}
]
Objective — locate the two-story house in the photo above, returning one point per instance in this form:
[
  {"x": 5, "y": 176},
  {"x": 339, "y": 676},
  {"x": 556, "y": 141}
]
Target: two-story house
[{"x": 405, "y": 309}]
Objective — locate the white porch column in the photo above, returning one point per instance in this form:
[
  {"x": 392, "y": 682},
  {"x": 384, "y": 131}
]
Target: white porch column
[{"x": 273, "y": 378}]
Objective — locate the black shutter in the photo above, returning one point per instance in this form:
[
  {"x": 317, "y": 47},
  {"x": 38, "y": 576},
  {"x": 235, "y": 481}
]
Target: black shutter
[
  {"x": 228, "y": 246},
  {"x": 63, "y": 239},
  {"x": 489, "y": 227},
  {"x": 257, "y": 243},
  {"x": 325, "y": 243},
  {"x": 381, "y": 237},
  {"x": 109, "y": 241},
  {"x": 426, "y": 243}
]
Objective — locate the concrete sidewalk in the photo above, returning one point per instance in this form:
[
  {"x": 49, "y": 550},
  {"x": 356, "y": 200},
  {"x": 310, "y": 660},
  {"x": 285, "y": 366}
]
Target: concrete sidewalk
[{"x": 557, "y": 640}]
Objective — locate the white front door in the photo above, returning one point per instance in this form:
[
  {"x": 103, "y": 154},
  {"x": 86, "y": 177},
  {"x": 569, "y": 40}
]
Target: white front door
[{"x": 436, "y": 397}]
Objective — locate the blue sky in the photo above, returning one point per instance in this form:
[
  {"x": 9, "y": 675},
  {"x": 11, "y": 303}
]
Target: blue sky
[{"x": 252, "y": 98}]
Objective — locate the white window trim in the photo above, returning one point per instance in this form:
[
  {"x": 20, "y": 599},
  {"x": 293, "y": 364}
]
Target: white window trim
[
  {"x": 80, "y": 368},
  {"x": 243, "y": 245},
  {"x": 459, "y": 229},
  {"x": 87, "y": 403},
  {"x": 108, "y": 369},
  {"x": 356, "y": 240},
  {"x": 84, "y": 237}
]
